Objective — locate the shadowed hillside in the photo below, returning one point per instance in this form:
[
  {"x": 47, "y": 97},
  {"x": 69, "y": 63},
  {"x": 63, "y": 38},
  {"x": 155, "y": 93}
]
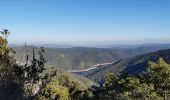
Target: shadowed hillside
[
  {"x": 138, "y": 64},
  {"x": 135, "y": 65}
]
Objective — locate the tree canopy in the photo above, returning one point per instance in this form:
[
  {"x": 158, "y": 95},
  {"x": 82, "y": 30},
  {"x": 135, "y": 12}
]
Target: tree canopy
[{"x": 155, "y": 84}]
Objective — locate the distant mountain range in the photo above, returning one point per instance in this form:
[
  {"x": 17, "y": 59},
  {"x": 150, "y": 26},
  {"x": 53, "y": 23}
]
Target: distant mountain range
[
  {"x": 77, "y": 58},
  {"x": 93, "y": 45}
]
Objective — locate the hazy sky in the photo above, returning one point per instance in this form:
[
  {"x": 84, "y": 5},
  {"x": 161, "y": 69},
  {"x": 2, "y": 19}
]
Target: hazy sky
[{"x": 53, "y": 21}]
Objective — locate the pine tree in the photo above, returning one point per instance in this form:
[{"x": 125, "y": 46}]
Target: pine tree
[{"x": 159, "y": 75}]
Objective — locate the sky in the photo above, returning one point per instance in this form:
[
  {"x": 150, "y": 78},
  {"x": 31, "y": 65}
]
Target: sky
[{"x": 86, "y": 21}]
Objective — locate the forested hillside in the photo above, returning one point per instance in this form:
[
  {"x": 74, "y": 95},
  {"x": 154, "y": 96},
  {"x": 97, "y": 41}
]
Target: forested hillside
[
  {"x": 135, "y": 65},
  {"x": 83, "y": 58}
]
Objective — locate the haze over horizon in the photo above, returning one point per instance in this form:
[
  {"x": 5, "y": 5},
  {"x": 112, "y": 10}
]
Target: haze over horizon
[{"x": 86, "y": 21}]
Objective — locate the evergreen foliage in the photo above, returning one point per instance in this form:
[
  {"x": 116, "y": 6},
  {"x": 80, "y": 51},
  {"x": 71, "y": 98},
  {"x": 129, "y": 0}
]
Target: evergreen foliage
[
  {"x": 10, "y": 83},
  {"x": 63, "y": 88},
  {"x": 155, "y": 85}
]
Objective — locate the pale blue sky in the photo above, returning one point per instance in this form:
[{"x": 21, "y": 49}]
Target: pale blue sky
[{"x": 67, "y": 21}]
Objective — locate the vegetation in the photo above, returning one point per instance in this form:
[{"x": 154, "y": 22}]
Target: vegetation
[
  {"x": 10, "y": 83},
  {"x": 62, "y": 88},
  {"x": 154, "y": 85},
  {"x": 31, "y": 81}
]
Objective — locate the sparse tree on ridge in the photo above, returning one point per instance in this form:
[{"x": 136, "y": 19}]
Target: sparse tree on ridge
[{"x": 5, "y": 33}]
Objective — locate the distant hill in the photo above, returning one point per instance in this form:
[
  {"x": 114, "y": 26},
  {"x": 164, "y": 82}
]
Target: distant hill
[
  {"x": 83, "y": 57},
  {"x": 135, "y": 65},
  {"x": 70, "y": 58},
  {"x": 139, "y": 63}
]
